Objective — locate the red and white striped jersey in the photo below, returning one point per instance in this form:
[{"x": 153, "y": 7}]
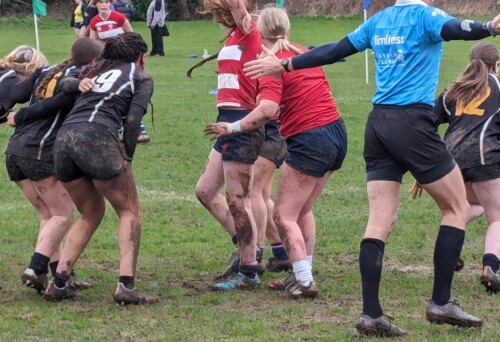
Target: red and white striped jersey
[
  {"x": 108, "y": 27},
  {"x": 234, "y": 89}
]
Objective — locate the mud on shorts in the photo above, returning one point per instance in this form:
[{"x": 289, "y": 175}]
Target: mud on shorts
[
  {"x": 405, "y": 138},
  {"x": 318, "y": 150},
  {"x": 242, "y": 147},
  {"x": 88, "y": 149},
  {"x": 274, "y": 146},
  {"x": 481, "y": 173},
  {"x": 21, "y": 168}
]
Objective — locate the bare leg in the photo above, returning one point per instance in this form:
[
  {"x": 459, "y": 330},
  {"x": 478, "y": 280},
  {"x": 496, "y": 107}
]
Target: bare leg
[
  {"x": 36, "y": 201},
  {"x": 121, "y": 192},
  {"x": 475, "y": 209},
  {"x": 90, "y": 205},
  {"x": 487, "y": 193},
  {"x": 207, "y": 192},
  {"x": 263, "y": 179},
  {"x": 61, "y": 208},
  {"x": 238, "y": 179}
]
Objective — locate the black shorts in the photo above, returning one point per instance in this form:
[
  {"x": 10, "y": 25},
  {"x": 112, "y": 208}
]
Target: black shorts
[
  {"x": 481, "y": 173},
  {"x": 242, "y": 147},
  {"x": 318, "y": 150},
  {"x": 405, "y": 138},
  {"x": 274, "y": 146},
  {"x": 90, "y": 150},
  {"x": 21, "y": 168}
]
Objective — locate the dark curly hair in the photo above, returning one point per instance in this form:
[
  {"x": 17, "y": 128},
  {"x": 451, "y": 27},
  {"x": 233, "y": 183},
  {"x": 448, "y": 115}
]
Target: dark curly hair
[{"x": 127, "y": 47}]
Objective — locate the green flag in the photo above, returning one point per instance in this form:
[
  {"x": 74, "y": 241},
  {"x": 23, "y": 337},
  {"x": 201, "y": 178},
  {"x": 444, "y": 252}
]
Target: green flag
[
  {"x": 39, "y": 7},
  {"x": 280, "y": 3}
]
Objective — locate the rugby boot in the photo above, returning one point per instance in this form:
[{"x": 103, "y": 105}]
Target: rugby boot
[
  {"x": 451, "y": 313},
  {"x": 124, "y": 296},
  {"x": 77, "y": 284},
  {"x": 30, "y": 279},
  {"x": 56, "y": 294},
  {"x": 297, "y": 290},
  {"x": 278, "y": 265},
  {"x": 490, "y": 280},
  {"x": 381, "y": 327},
  {"x": 282, "y": 284},
  {"x": 238, "y": 282},
  {"x": 143, "y": 138},
  {"x": 233, "y": 267}
]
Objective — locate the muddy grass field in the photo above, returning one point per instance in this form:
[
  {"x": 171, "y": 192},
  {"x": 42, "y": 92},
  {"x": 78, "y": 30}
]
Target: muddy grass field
[{"x": 183, "y": 248}]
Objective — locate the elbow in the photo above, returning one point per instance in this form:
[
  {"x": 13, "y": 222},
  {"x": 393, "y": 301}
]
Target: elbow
[{"x": 269, "y": 108}]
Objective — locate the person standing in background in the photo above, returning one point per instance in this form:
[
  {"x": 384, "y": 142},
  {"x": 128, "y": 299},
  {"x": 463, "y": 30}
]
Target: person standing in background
[
  {"x": 156, "y": 22},
  {"x": 77, "y": 18}
]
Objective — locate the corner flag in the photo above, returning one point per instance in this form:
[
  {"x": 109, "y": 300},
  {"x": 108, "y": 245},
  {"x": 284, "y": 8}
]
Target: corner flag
[
  {"x": 39, "y": 7},
  {"x": 366, "y": 4},
  {"x": 280, "y": 3}
]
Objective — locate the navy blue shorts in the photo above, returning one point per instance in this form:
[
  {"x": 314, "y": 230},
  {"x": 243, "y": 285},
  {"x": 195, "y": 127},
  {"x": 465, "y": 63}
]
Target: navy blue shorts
[
  {"x": 274, "y": 147},
  {"x": 241, "y": 147},
  {"x": 21, "y": 168},
  {"x": 405, "y": 138},
  {"x": 90, "y": 150},
  {"x": 318, "y": 150}
]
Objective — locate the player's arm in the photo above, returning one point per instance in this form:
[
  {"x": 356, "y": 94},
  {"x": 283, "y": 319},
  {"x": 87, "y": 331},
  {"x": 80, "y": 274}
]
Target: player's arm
[
  {"x": 241, "y": 17},
  {"x": 126, "y": 26},
  {"x": 440, "y": 109},
  {"x": 138, "y": 107},
  {"x": 45, "y": 108},
  {"x": 456, "y": 29},
  {"x": 255, "y": 119},
  {"x": 321, "y": 55},
  {"x": 23, "y": 90},
  {"x": 93, "y": 34}
]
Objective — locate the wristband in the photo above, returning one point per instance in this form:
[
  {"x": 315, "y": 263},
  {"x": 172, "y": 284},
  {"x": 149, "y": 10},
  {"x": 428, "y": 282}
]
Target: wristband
[
  {"x": 489, "y": 27},
  {"x": 234, "y": 127}
]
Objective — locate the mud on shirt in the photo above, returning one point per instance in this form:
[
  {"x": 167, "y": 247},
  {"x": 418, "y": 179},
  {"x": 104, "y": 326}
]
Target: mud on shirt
[{"x": 113, "y": 93}]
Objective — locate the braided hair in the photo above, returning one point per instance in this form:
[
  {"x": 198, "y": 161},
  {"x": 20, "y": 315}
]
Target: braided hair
[
  {"x": 83, "y": 52},
  {"x": 127, "y": 47}
]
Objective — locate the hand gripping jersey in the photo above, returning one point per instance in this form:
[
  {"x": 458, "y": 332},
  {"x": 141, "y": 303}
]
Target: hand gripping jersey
[
  {"x": 234, "y": 88},
  {"x": 304, "y": 97},
  {"x": 108, "y": 27},
  {"x": 112, "y": 95},
  {"x": 473, "y": 133},
  {"x": 407, "y": 44},
  {"x": 34, "y": 138}
]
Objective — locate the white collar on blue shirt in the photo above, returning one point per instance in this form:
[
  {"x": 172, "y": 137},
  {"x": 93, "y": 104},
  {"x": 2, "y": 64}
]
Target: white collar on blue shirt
[{"x": 409, "y": 2}]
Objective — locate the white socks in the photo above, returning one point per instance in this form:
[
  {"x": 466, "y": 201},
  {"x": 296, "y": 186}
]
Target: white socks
[{"x": 302, "y": 271}]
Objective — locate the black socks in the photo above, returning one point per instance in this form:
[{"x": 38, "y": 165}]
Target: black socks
[
  {"x": 449, "y": 244},
  {"x": 39, "y": 263},
  {"x": 492, "y": 261},
  {"x": 371, "y": 255},
  {"x": 127, "y": 281}
]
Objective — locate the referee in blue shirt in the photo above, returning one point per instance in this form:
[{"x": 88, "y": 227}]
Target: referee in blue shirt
[{"x": 401, "y": 135}]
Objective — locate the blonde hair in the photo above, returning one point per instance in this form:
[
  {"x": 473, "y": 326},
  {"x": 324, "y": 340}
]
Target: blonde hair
[
  {"x": 274, "y": 25},
  {"x": 24, "y": 60}
]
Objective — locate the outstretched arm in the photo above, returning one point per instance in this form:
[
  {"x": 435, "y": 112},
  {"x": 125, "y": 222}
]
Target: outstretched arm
[
  {"x": 456, "y": 29},
  {"x": 321, "y": 55}
]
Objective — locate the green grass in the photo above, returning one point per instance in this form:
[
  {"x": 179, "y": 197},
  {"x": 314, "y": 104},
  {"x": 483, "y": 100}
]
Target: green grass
[{"x": 183, "y": 247}]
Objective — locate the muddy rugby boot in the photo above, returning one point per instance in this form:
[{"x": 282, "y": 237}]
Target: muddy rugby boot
[
  {"x": 490, "y": 280},
  {"x": 124, "y": 296},
  {"x": 55, "y": 294},
  {"x": 451, "y": 313},
  {"x": 298, "y": 290},
  {"x": 77, "y": 284},
  {"x": 460, "y": 264},
  {"x": 143, "y": 138},
  {"x": 238, "y": 282},
  {"x": 278, "y": 265},
  {"x": 282, "y": 284},
  {"x": 30, "y": 279},
  {"x": 381, "y": 327}
]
